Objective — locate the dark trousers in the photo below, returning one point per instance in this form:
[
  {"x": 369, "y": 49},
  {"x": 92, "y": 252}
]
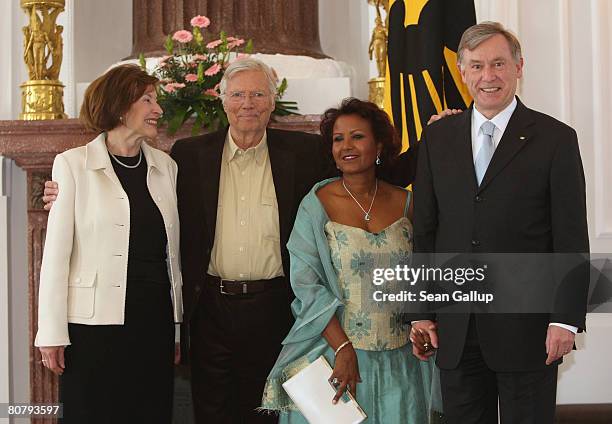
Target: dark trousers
[
  {"x": 470, "y": 392},
  {"x": 235, "y": 341},
  {"x": 123, "y": 374}
]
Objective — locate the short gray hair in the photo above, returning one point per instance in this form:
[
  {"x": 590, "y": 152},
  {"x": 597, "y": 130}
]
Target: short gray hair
[
  {"x": 479, "y": 33},
  {"x": 248, "y": 64}
]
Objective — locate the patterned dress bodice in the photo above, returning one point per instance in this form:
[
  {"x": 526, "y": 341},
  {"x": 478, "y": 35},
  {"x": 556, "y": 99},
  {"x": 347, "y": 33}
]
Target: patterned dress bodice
[{"x": 355, "y": 254}]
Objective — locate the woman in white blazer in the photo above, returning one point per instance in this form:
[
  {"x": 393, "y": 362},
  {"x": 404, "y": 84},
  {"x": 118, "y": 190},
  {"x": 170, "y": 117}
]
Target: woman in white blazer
[{"x": 110, "y": 281}]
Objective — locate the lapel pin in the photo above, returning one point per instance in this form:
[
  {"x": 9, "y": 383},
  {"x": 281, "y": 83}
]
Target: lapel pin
[{"x": 523, "y": 137}]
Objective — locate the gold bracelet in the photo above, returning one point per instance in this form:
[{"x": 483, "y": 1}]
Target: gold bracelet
[{"x": 346, "y": 343}]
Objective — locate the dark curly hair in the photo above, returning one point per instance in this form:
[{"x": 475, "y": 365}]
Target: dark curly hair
[{"x": 382, "y": 128}]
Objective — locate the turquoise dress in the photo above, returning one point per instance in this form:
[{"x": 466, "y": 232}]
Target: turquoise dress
[{"x": 396, "y": 387}]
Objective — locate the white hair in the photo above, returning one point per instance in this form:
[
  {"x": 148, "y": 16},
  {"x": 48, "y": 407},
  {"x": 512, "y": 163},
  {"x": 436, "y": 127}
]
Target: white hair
[{"x": 248, "y": 64}]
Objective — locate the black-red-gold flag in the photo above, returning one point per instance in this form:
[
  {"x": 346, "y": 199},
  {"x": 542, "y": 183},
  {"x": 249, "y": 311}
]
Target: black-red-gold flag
[{"x": 422, "y": 75}]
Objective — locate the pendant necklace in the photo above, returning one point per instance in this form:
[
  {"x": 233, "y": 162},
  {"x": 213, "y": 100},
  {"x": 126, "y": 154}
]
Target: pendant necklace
[{"x": 366, "y": 215}]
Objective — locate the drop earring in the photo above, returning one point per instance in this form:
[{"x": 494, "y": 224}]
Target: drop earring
[{"x": 378, "y": 160}]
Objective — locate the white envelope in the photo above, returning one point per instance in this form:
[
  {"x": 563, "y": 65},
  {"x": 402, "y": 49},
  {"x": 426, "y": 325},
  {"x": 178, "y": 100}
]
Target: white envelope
[{"x": 312, "y": 393}]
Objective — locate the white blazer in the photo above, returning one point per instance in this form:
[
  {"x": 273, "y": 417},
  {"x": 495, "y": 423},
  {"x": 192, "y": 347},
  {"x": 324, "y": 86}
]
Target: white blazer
[{"x": 84, "y": 268}]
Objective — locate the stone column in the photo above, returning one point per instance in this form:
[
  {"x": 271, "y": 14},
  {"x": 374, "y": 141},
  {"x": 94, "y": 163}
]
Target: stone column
[{"x": 275, "y": 26}]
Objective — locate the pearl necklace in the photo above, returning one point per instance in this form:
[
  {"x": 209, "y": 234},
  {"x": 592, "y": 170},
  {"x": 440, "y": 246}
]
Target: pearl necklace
[
  {"x": 127, "y": 166},
  {"x": 366, "y": 215}
]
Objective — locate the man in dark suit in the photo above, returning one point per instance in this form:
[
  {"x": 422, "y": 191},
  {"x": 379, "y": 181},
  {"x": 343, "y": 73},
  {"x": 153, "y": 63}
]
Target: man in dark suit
[{"x": 499, "y": 178}]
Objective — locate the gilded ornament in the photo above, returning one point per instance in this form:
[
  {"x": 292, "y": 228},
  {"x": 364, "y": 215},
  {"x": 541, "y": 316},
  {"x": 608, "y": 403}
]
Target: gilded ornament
[
  {"x": 377, "y": 91},
  {"x": 42, "y": 96},
  {"x": 377, "y": 51}
]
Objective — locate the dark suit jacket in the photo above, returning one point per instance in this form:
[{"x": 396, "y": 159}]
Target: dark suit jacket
[
  {"x": 297, "y": 164},
  {"x": 532, "y": 200}
]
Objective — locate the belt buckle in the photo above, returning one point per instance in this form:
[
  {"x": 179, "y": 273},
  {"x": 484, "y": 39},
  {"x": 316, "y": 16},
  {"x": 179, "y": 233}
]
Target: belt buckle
[{"x": 221, "y": 287}]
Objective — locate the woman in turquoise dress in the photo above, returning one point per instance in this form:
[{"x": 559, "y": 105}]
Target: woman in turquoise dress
[{"x": 345, "y": 228}]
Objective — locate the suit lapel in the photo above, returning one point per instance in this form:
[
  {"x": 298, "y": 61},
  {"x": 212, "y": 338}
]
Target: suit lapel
[
  {"x": 210, "y": 173},
  {"x": 462, "y": 145},
  {"x": 282, "y": 164},
  {"x": 97, "y": 157},
  {"x": 517, "y": 134}
]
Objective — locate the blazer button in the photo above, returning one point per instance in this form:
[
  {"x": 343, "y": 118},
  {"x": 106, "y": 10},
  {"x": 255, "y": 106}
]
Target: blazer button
[
  {"x": 478, "y": 199},
  {"x": 197, "y": 289},
  {"x": 475, "y": 243}
]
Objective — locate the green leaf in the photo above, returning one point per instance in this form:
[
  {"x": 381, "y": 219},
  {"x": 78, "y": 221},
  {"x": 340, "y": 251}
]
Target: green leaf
[
  {"x": 142, "y": 61},
  {"x": 197, "y": 125},
  {"x": 177, "y": 120},
  {"x": 284, "y": 108},
  {"x": 249, "y": 47},
  {"x": 280, "y": 91},
  {"x": 197, "y": 36},
  {"x": 169, "y": 44},
  {"x": 200, "y": 72}
]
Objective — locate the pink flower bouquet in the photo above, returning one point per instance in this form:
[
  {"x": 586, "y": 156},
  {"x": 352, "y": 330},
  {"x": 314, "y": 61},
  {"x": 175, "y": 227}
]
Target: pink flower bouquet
[{"x": 190, "y": 76}]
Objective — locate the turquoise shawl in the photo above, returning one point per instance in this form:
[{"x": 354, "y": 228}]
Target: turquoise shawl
[{"x": 317, "y": 299}]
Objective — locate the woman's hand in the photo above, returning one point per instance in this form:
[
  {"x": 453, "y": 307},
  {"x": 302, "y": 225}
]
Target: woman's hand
[
  {"x": 53, "y": 358},
  {"x": 346, "y": 371}
]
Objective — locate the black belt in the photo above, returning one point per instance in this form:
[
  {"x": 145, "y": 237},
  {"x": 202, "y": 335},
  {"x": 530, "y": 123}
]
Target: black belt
[{"x": 234, "y": 287}]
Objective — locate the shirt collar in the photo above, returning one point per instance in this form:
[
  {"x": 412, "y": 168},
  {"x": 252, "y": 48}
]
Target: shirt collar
[
  {"x": 500, "y": 120},
  {"x": 260, "y": 150}
]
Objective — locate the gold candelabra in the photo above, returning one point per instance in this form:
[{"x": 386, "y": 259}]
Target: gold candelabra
[
  {"x": 378, "y": 51},
  {"x": 42, "y": 96}
]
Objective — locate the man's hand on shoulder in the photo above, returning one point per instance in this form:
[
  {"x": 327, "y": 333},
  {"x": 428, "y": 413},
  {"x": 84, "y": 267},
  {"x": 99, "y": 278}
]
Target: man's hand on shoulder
[
  {"x": 50, "y": 194},
  {"x": 443, "y": 114}
]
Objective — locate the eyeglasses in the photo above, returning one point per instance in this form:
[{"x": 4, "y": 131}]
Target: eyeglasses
[{"x": 240, "y": 96}]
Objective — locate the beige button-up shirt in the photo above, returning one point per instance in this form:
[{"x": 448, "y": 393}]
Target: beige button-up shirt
[{"x": 247, "y": 235}]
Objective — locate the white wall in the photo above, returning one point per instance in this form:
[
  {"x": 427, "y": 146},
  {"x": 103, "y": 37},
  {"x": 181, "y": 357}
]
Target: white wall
[
  {"x": 103, "y": 36},
  {"x": 344, "y": 36}
]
